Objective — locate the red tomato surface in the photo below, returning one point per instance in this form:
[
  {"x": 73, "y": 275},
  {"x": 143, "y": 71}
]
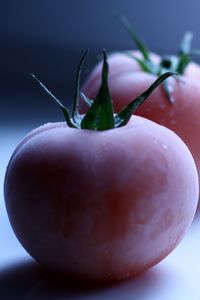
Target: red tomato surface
[
  {"x": 127, "y": 81},
  {"x": 101, "y": 205}
]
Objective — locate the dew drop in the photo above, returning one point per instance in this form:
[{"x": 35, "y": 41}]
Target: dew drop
[
  {"x": 170, "y": 88},
  {"x": 173, "y": 122},
  {"x": 164, "y": 147},
  {"x": 162, "y": 106}
]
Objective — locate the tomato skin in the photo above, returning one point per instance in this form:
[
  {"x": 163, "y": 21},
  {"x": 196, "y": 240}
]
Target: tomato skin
[
  {"x": 182, "y": 116},
  {"x": 101, "y": 205}
]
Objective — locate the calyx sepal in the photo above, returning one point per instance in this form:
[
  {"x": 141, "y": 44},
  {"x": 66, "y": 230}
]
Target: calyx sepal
[{"x": 100, "y": 115}]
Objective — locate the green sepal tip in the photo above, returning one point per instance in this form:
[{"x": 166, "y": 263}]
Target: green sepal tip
[
  {"x": 100, "y": 114},
  {"x": 124, "y": 116},
  {"x": 62, "y": 107}
]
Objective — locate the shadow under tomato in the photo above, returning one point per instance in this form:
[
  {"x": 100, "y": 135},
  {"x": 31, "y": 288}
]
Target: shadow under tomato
[
  {"x": 29, "y": 281},
  {"x": 139, "y": 287},
  {"x": 17, "y": 280}
]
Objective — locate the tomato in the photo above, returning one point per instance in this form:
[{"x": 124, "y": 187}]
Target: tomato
[
  {"x": 179, "y": 112},
  {"x": 100, "y": 202},
  {"x": 101, "y": 205}
]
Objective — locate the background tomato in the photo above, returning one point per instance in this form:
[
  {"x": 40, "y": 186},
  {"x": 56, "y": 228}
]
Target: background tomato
[
  {"x": 178, "y": 109},
  {"x": 101, "y": 205}
]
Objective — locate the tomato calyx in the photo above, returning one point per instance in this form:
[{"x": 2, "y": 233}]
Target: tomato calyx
[
  {"x": 170, "y": 63},
  {"x": 100, "y": 115}
]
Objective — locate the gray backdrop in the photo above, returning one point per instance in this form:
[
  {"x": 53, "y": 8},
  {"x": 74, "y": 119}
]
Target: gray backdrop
[{"x": 49, "y": 37}]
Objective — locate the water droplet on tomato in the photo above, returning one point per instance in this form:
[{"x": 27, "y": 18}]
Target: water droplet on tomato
[{"x": 164, "y": 147}]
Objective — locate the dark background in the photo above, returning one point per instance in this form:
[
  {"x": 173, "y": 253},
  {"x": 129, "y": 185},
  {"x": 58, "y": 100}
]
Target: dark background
[{"x": 48, "y": 38}]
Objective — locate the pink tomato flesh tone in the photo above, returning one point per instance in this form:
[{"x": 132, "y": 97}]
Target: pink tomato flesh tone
[{"x": 101, "y": 205}]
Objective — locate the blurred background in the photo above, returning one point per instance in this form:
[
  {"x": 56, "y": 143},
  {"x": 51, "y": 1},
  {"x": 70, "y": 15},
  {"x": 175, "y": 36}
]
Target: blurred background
[{"x": 48, "y": 38}]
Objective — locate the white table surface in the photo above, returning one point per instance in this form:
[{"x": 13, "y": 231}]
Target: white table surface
[{"x": 176, "y": 278}]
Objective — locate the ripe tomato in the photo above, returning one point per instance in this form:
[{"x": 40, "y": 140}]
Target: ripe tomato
[
  {"x": 178, "y": 108},
  {"x": 101, "y": 204}
]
